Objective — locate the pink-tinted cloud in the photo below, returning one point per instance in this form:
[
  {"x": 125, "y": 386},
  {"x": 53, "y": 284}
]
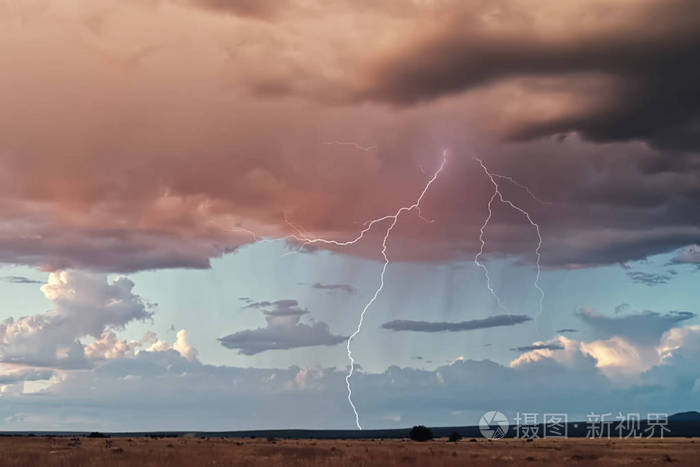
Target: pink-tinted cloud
[{"x": 125, "y": 146}]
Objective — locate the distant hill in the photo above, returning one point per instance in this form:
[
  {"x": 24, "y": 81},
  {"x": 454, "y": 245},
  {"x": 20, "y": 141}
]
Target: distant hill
[
  {"x": 691, "y": 416},
  {"x": 683, "y": 424}
]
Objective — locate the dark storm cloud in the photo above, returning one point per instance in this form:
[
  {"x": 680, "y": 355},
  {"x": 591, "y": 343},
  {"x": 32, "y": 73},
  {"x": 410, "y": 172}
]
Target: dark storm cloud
[
  {"x": 650, "y": 57},
  {"x": 528, "y": 348},
  {"x": 649, "y": 279},
  {"x": 19, "y": 280},
  {"x": 566, "y": 330},
  {"x": 645, "y": 326},
  {"x": 111, "y": 250},
  {"x": 579, "y": 229},
  {"x": 427, "y": 326},
  {"x": 347, "y": 288},
  {"x": 76, "y": 193}
]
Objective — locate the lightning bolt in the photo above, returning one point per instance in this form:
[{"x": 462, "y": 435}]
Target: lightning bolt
[
  {"x": 538, "y": 251},
  {"x": 481, "y": 252},
  {"x": 302, "y": 237},
  {"x": 522, "y": 187},
  {"x": 391, "y": 220}
]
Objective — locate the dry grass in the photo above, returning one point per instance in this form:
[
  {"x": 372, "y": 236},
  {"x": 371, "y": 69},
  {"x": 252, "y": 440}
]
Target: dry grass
[{"x": 40, "y": 451}]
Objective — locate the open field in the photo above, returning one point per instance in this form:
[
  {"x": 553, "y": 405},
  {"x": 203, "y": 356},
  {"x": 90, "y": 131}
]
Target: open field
[{"x": 40, "y": 451}]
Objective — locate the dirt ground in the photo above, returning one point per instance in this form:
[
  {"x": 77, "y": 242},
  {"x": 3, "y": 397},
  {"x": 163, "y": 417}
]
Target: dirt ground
[{"x": 70, "y": 452}]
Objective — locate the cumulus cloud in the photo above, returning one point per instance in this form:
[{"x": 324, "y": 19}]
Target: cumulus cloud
[
  {"x": 307, "y": 378},
  {"x": 679, "y": 349},
  {"x": 183, "y": 347},
  {"x": 162, "y": 389},
  {"x": 566, "y": 352},
  {"x": 83, "y": 305},
  {"x": 617, "y": 357},
  {"x": 619, "y": 360},
  {"x": 626, "y": 358},
  {"x": 283, "y": 330},
  {"x": 108, "y": 345},
  {"x": 94, "y": 302},
  {"x": 427, "y": 326},
  {"x": 569, "y": 380},
  {"x": 677, "y": 341},
  {"x": 645, "y": 326}
]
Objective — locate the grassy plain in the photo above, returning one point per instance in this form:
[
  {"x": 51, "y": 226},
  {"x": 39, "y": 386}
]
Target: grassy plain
[{"x": 175, "y": 452}]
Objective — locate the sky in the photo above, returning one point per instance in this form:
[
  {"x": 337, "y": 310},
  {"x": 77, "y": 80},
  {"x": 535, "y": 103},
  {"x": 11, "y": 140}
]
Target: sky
[{"x": 204, "y": 203}]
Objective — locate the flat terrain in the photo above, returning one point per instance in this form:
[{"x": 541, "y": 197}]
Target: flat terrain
[{"x": 70, "y": 452}]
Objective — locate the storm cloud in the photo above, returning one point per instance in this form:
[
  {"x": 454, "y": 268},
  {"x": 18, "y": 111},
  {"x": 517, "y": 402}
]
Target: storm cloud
[
  {"x": 262, "y": 9},
  {"x": 644, "y": 57},
  {"x": 228, "y": 107}
]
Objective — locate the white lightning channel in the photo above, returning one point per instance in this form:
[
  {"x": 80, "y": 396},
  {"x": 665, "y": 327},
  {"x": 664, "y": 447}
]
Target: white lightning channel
[
  {"x": 302, "y": 237},
  {"x": 538, "y": 251},
  {"x": 481, "y": 252},
  {"x": 393, "y": 219},
  {"x": 521, "y": 186}
]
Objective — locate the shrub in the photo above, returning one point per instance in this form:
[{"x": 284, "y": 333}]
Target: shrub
[
  {"x": 454, "y": 437},
  {"x": 420, "y": 433}
]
